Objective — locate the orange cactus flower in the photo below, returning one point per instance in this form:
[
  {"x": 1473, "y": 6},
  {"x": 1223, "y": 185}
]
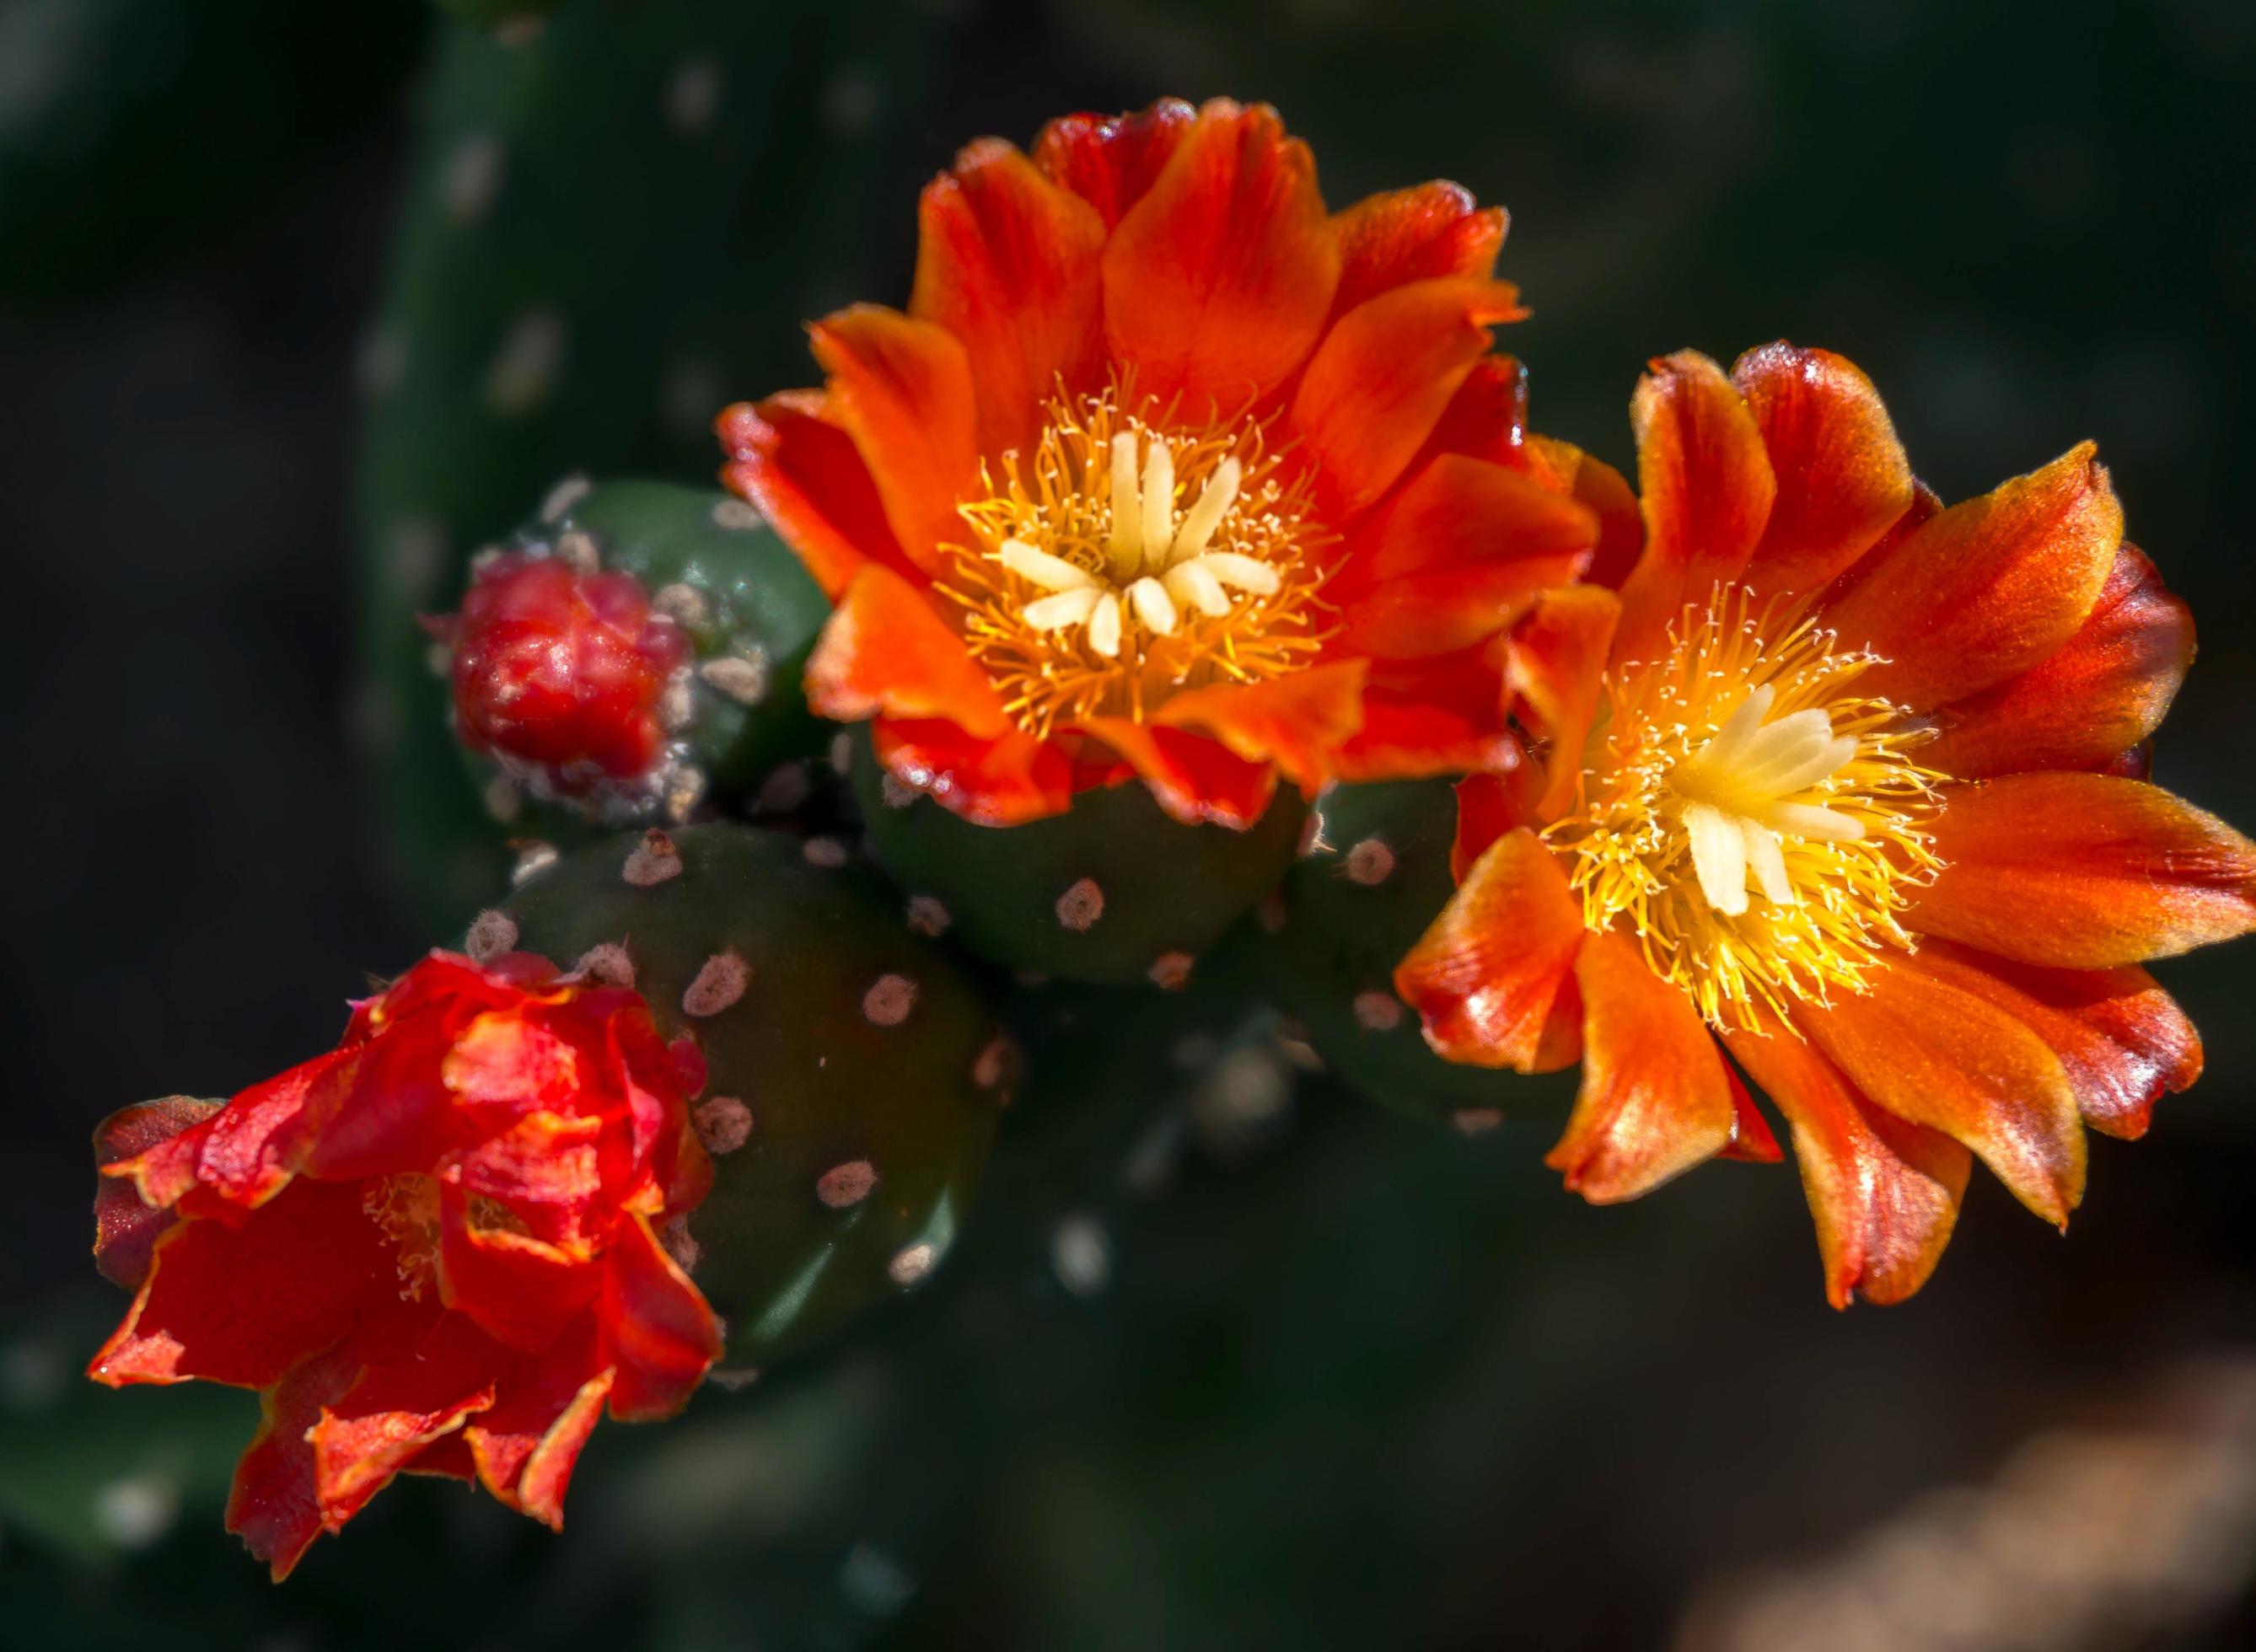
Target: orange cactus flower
[
  {"x": 431, "y": 1250},
  {"x": 1853, "y": 785},
  {"x": 1168, "y": 472}
]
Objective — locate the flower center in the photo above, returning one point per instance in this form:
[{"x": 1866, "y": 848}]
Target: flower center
[
  {"x": 406, "y": 1207},
  {"x": 1126, "y": 560},
  {"x": 1747, "y": 818}
]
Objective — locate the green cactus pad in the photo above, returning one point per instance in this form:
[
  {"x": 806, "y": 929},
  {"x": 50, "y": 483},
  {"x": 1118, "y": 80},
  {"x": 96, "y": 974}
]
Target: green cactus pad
[
  {"x": 751, "y": 614},
  {"x": 1375, "y": 875},
  {"x": 1111, "y": 891},
  {"x": 854, "y": 1073}
]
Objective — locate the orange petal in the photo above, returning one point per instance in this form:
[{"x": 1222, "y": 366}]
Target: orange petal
[
  {"x": 1414, "y": 234},
  {"x": 1554, "y": 664},
  {"x": 1939, "y": 1056},
  {"x": 1884, "y": 1192},
  {"x": 1485, "y": 975},
  {"x": 885, "y": 651},
  {"x": 1488, "y": 806},
  {"x": 1985, "y": 590},
  {"x": 1655, "y": 1098},
  {"x": 1379, "y": 383},
  {"x": 1598, "y": 486},
  {"x": 1110, "y": 161},
  {"x": 2083, "y": 871},
  {"x": 1706, "y": 486},
  {"x": 1487, "y": 419},
  {"x": 1456, "y": 510},
  {"x": 366, "y": 1434},
  {"x": 524, "y": 1447},
  {"x": 1295, "y": 722},
  {"x": 661, "y": 1333},
  {"x": 1407, "y": 737},
  {"x": 789, "y": 458},
  {"x": 2122, "y": 1040},
  {"x": 1198, "y": 780},
  {"x": 2102, "y": 693},
  {"x": 1842, "y": 479},
  {"x": 1005, "y": 781},
  {"x": 1217, "y": 282},
  {"x": 902, "y": 389},
  {"x": 1444, "y": 610},
  {"x": 1007, "y": 261}
]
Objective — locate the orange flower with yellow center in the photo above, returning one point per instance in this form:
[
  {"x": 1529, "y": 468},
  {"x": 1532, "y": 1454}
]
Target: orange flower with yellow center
[
  {"x": 1169, "y": 473},
  {"x": 1855, "y": 784}
]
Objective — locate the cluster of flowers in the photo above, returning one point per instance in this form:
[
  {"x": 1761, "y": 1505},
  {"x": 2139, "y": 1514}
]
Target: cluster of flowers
[{"x": 1771, "y": 764}]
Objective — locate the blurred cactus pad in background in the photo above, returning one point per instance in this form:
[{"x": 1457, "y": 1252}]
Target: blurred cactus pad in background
[{"x": 1105, "y": 1260}]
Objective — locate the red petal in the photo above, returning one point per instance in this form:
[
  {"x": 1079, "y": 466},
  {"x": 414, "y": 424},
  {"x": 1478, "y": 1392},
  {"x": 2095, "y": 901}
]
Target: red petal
[
  {"x": 902, "y": 389},
  {"x": 660, "y": 1333},
  {"x": 1554, "y": 665},
  {"x": 1110, "y": 161},
  {"x": 1195, "y": 779},
  {"x": 1488, "y": 806},
  {"x": 243, "y": 1305},
  {"x": 1294, "y": 722},
  {"x": 1751, "y": 1141},
  {"x": 273, "y": 1505},
  {"x": 517, "y": 1288},
  {"x": 885, "y": 651},
  {"x": 1937, "y": 1055},
  {"x": 1884, "y": 1192},
  {"x": 367, "y": 1434},
  {"x": 788, "y": 455},
  {"x": 1217, "y": 282},
  {"x": 1378, "y": 384},
  {"x": 1842, "y": 479},
  {"x": 1707, "y": 490},
  {"x": 1597, "y": 486},
  {"x": 126, "y": 1228},
  {"x": 1419, "y": 234},
  {"x": 1486, "y": 976},
  {"x": 2083, "y": 871},
  {"x": 2102, "y": 693},
  {"x": 1985, "y": 590},
  {"x": 1004, "y": 781},
  {"x": 1655, "y": 1098},
  {"x": 2122, "y": 1040},
  {"x": 1412, "y": 737},
  {"x": 1007, "y": 261}
]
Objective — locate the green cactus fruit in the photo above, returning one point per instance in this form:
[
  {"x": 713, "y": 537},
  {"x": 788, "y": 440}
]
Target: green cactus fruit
[
  {"x": 853, "y": 1071},
  {"x": 126, "y": 125},
  {"x": 685, "y": 623},
  {"x": 1111, "y": 891},
  {"x": 1376, "y": 873},
  {"x": 609, "y": 229}
]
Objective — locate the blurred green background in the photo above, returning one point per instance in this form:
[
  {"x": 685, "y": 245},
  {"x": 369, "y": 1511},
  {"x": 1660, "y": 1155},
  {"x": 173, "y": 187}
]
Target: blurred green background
[{"x": 1237, "y": 1362}]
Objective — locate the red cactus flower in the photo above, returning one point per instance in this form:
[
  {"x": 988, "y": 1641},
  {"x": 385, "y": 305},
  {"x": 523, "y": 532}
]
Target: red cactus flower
[
  {"x": 561, "y": 671},
  {"x": 1854, "y": 784},
  {"x": 1169, "y": 473},
  {"x": 431, "y": 1249}
]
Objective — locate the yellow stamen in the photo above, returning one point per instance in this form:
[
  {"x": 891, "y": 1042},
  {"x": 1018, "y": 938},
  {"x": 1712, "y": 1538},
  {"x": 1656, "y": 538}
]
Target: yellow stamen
[{"x": 1745, "y": 817}]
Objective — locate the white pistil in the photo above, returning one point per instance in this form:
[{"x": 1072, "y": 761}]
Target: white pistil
[
  {"x": 1156, "y": 568},
  {"x": 1736, "y": 791}
]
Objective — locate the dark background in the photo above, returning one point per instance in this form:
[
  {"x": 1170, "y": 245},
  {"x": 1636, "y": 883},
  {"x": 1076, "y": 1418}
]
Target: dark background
[{"x": 1343, "y": 1381}]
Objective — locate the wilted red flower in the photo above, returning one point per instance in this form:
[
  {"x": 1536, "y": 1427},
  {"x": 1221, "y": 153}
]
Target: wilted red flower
[
  {"x": 430, "y": 1249},
  {"x": 560, "y": 672},
  {"x": 1854, "y": 784},
  {"x": 1169, "y": 473}
]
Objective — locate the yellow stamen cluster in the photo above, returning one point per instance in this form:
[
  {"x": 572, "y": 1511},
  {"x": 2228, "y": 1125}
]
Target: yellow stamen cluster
[
  {"x": 1126, "y": 560},
  {"x": 406, "y": 1207},
  {"x": 1745, "y": 817}
]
